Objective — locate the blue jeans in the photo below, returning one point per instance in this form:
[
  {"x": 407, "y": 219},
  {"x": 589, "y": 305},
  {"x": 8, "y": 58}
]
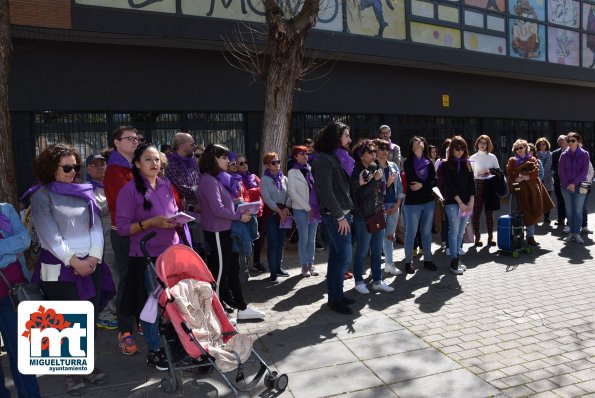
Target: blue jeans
[
  {"x": 151, "y": 330},
  {"x": 366, "y": 241},
  {"x": 26, "y": 384},
  {"x": 456, "y": 229},
  {"x": 421, "y": 216},
  {"x": 574, "y": 202},
  {"x": 339, "y": 256},
  {"x": 307, "y": 234},
  {"x": 275, "y": 244},
  {"x": 391, "y": 227},
  {"x": 530, "y": 231},
  {"x": 584, "y": 224}
]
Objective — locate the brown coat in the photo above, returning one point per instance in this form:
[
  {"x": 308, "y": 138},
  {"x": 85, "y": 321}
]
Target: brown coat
[{"x": 534, "y": 197}]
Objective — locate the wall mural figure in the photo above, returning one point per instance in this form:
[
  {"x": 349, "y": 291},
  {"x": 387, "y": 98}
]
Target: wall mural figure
[
  {"x": 492, "y": 4},
  {"x": 525, "y": 40},
  {"x": 377, "y": 7},
  {"x": 591, "y": 28}
]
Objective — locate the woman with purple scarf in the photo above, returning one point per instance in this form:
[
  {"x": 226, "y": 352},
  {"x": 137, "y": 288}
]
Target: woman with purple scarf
[
  {"x": 573, "y": 169},
  {"x": 273, "y": 188},
  {"x": 418, "y": 209},
  {"x": 300, "y": 186},
  {"x": 68, "y": 223}
]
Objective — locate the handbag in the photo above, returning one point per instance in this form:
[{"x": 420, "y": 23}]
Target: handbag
[
  {"x": 151, "y": 308},
  {"x": 22, "y": 292},
  {"x": 469, "y": 236},
  {"x": 375, "y": 222}
]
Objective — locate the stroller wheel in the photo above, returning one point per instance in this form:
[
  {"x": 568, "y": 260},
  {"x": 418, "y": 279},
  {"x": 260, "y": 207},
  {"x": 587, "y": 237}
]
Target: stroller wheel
[
  {"x": 281, "y": 382},
  {"x": 269, "y": 380},
  {"x": 169, "y": 385}
]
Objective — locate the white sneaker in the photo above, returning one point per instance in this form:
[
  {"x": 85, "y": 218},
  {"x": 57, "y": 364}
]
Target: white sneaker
[
  {"x": 382, "y": 287},
  {"x": 566, "y": 229},
  {"x": 391, "y": 269},
  {"x": 457, "y": 271},
  {"x": 569, "y": 238},
  {"x": 462, "y": 251},
  {"x": 579, "y": 240},
  {"x": 463, "y": 267},
  {"x": 361, "y": 288},
  {"x": 250, "y": 313},
  {"x": 586, "y": 230},
  {"x": 232, "y": 320},
  {"x": 313, "y": 271}
]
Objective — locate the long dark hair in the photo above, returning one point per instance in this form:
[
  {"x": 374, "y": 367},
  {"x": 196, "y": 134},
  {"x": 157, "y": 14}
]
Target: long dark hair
[
  {"x": 141, "y": 187},
  {"x": 329, "y": 138},
  {"x": 423, "y": 140},
  {"x": 457, "y": 142},
  {"x": 46, "y": 164},
  {"x": 208, "y": 162}
]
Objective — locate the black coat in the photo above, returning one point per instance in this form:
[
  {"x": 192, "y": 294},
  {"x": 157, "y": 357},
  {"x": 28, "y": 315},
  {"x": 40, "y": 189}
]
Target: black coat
[{"x": 494, "y": 189}]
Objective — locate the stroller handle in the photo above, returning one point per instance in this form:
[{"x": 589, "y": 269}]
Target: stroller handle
[{"x": 144, "y": 241}]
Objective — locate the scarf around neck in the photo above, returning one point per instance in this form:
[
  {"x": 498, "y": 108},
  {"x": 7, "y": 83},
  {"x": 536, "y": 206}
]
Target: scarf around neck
[
  {"x": 460, "y": 161},
  {"x": 347, "y": 162},
  {"x": 249, "y": 180},
  {"x": 188, "y": 163},
  {"x": 306, "y": 169},
  {"x": 277, "y": 178},
  {"x": 420, "y": 165},
  {"x": 5, "y": 224},
  {"x": 96, "y": 184},
  {"x": 115, "y": 158},
  {"x": 523, "y": 159},
  {"x": 231, "y": 182}
]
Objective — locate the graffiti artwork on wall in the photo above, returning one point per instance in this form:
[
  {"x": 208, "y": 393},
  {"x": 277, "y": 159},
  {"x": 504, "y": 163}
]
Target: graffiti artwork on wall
[
  {"x": 485, "y": 43},
  {"x": 534, "y": 9},
  {"x": 563, "y": 46},
  {"x": 381, "y": 18},
  {"x": 436, "y": 35},
  {"x": 526, "y": 39},
  {"x": 564, "y": 12},
  {"x": 495, "y": 5},
  {"x": 589, "y": 39}
]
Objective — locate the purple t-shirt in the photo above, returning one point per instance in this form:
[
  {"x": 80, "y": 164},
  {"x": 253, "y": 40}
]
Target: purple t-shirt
[{"x": 216, "y": 205}]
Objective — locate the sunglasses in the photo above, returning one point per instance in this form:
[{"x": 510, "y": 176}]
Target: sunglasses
[
  {"x": 458, "y": 148},
  {"x": 243, "y": 164},
  {"x": 371, "y": 150},
  {"x": 197, "y": 155},
  {"x": 570, "y": 141},
  {"x": 70, "y": 167},
  {"x": 275, "y": 162},
  {"x": 132, "y": 139},
  {"x": 519, "y": 148},
  {"x": 382, "y": 148}
]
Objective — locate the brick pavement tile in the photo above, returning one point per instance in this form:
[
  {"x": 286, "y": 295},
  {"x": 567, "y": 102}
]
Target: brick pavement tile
[
  {"x": 489, "y": 349},
  {"x": 517, "y": 392},
  {"x": 469, "y": 353},
  {"x": 564, "y": 379},
  {"x": 514, "y": 370},
  {"x": 492, "y": 375},
  {"x": 533, "y": 356},
  {"x": 580, "y": 364},
  {"x": 516, "y": 380},
  {"x": 511, "y": 361},
  {"x": 538, "y": 364},
  {"x": 490, "y": 366},
  {"x": 538, "y": 374},
  {"x": 542, "y": 385},
  {"x": 588, "y": 386},
  {"x": 545, "y": 394},
  {"x": 569, "y": 391},
  {"x": 574, "y": 355}
]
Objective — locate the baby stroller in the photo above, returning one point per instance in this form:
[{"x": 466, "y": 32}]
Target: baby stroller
[{"x": 199, "y": 336}]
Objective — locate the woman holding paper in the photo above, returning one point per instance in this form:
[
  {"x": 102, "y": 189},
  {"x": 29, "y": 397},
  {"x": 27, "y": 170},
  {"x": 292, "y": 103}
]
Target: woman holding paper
[
  {"x": 146, "y": 204},
  {"x": 459, "y": 197},
  {"x": 481, "y": 162}
]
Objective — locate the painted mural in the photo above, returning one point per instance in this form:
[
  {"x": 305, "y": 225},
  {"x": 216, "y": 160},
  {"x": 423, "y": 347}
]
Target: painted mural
[
  {"x": 589, "y": 17},
  {"x": 527, "y": 39},
  {"x": 589, "y": 51},
  {"x": 436, "y": 35},
  {"x": 534, "y": 9},
  {"x": 492, "y": 5},
  {"x": 145, "y": 5},
  {"x": 380, "y": 18},
  {"x": 484, "y": 43},
  {"x": 564, "y": 12},
  {"x": 563, "y": 46}
]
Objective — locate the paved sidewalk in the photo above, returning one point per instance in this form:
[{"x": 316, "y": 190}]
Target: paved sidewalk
[{"x": 507, "y": 327}]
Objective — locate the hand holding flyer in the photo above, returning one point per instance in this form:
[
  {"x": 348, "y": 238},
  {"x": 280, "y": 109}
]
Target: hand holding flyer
[
  {"x": 249, "y": 208},
  {"x": 182, "y": 218}
]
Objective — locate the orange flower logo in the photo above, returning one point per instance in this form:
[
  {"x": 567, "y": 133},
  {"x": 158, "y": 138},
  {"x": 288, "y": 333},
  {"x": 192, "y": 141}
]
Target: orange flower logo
[{"x": 43, "y": 319}]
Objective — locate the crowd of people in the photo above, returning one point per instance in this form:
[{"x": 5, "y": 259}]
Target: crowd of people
[{"x": 352, "y": 197}]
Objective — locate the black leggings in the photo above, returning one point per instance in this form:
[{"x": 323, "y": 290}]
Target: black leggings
[{"x": 224, "y": 264}]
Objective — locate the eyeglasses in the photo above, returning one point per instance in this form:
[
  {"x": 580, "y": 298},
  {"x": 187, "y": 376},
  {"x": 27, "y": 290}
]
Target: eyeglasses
[
  {"x": 483, "y": 143},
  {"x": 458, "y": 148},
  {"x": 232, "y": 163},
  {"x": 243, "y": 164},
  {"x": 70, "y": 167},
  {"x": 132, "y": 139},
  {"x": 370, "y": 150},
  {"x": 570, "y": 141},
  {"x": 518, "y": 148},
  {"x": 197, "y": 155},
  {"x": 275, "y": 162}
]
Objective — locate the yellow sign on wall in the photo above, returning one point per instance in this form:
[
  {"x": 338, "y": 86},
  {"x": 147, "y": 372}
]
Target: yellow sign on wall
[{"x": 445, "y": 100}]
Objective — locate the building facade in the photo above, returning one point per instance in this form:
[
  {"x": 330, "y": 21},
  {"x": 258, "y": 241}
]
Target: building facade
[{"x": 507, "y": 68}]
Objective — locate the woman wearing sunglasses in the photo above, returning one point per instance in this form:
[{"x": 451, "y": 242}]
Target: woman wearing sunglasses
[
  {"x": 67, "y": 221},
  {"x": 522, "y": 168},
  {"x": 273, "y": 188},
  {"x": 419, "y": 202},
  {"x": 459, "y": 197},
  {"x": 573, "y": 169}
]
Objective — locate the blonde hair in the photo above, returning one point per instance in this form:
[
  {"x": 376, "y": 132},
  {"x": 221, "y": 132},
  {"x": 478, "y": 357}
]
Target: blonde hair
[{"x": 520, "y": 141}]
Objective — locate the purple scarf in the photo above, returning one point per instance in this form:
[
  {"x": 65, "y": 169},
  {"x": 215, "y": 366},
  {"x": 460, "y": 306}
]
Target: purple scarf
[
  {"x": 459, "y": 161},
  {"x": 249, "y": 180},
  {"x": 523, "y": 159},
  {"x": 96, "y": 184},
  {"x": 277, "y": 178},
  {"x": 188, "y": 163},
  {"x": 347, "y": 162},
  {"x": 420, "y": 165},
  {"x": 315, "y": 210},
  {"x": 231, "y": 182},
  {"x": 117, "y": 159},
  {"x": 5, "y": 224},
  {"x": 82, "y": 191}
]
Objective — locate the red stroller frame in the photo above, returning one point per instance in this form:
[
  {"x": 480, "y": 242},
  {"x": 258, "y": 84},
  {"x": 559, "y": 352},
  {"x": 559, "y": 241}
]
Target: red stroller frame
[{"x": 180, "y": 262}]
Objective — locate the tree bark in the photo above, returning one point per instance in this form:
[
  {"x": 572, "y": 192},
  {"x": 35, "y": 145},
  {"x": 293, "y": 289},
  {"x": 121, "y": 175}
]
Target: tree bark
[
  {"x": 8, "y": 191},
  {"x": 286, "y": 38}
]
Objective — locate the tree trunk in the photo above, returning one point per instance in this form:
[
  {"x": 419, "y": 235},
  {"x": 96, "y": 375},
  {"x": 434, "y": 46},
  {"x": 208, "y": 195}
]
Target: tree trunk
[
  {"x": 286, "y": 39},
  {"x": 8, "y": 192}
]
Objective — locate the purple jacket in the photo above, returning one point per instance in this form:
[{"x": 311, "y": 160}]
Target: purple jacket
[
  {"x": 573, "y": 167},
  {"x": 130, "y": 210},
  {"x": 216, "y": 205}
]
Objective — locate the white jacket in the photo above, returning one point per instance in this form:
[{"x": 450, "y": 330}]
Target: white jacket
[{"x": 298, "y": 190}]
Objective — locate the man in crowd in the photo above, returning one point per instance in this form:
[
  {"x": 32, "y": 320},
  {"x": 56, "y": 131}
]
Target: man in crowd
[
  {"x": 559, "y": 198},
  {"x": 117, "y": 174},
  {"x": 394, "y": 153}
]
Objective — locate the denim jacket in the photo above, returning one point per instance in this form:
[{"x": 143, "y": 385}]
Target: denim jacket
[
  {"x": 397, "y": 185},
  {"x": 243, "y": 234},
  {"x": 15, "y": 243}
]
